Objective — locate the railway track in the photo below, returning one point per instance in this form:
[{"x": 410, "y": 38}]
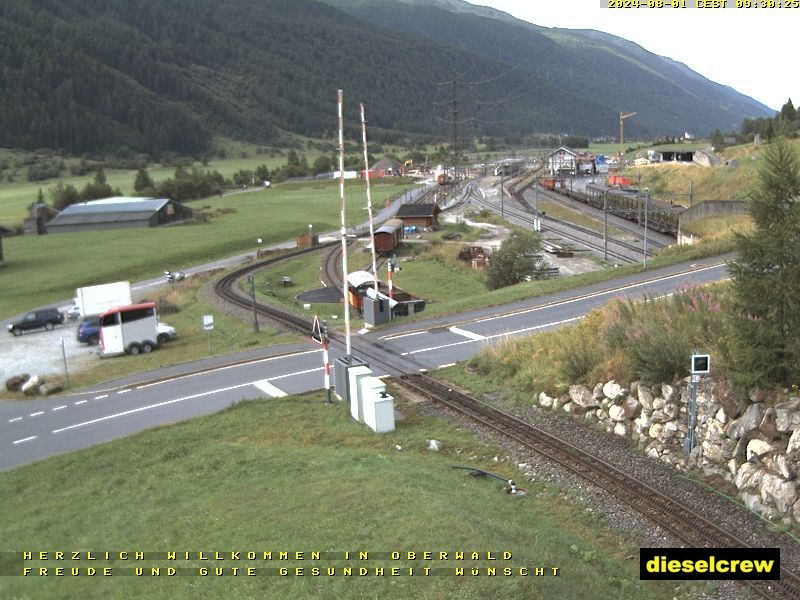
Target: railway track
[
  {"x": 687, "y": 525},
  {"x": 581, "y": 236}
]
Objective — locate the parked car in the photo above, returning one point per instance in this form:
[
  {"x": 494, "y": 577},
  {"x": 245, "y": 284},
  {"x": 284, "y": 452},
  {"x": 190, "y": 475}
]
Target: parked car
[
  {"x": 166, "y": 333},
  {"x": 46, "y": 318},
  {"x": 74, "y": 312},
  {"x": 89, "y": 331}
]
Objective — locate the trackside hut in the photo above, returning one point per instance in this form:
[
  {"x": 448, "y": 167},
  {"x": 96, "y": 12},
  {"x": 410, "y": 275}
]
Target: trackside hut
[
  {"x": 117, "y": 213},
  {"x": 420, "y": 215}
]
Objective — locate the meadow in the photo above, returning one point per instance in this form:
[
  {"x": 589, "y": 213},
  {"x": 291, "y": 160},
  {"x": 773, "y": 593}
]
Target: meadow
[
  {"x": 43, "y": 269},
  {"x": 292, "y": 474}
]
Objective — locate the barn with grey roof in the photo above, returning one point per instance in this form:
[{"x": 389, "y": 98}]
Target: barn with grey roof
[{"x": 117, "y": 213}]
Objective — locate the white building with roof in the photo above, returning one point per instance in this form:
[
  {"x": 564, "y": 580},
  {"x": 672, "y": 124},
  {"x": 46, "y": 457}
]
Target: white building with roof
[{"x": 118, "y": 212}]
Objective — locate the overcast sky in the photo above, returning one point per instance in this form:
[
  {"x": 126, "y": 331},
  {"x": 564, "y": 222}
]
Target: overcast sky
[{"x": 754, "y": 51}]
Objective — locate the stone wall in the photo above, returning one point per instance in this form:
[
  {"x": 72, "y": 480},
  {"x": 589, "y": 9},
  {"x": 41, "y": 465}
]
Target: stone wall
[{"x": 756, "y": 447}]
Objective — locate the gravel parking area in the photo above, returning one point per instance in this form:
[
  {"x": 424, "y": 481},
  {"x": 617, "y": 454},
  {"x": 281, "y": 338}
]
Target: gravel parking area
[{"x": 38, "y": 352}]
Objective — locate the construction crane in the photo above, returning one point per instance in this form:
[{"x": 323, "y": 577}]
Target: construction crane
[{"x": 622, "y": 117}]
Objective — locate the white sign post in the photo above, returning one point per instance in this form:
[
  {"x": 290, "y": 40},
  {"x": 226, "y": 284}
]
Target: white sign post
[{"x": 208, "y": 325}]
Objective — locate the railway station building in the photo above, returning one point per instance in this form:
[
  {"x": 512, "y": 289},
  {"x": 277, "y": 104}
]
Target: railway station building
[{"x": 419, "y": 215}]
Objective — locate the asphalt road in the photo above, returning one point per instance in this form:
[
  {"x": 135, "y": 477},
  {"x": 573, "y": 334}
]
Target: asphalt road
[{"x": 32, "y": 430}]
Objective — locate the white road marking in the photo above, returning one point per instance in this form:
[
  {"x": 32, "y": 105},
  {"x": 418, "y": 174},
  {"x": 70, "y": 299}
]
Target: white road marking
[
  {"x": 467, "y": 334},
  {"x": 27, "y": 439},
  {"x": 168, "y": 402},
  {"x": 36, "y": 414},
  {"x": 265, "y": 386},
  {"x": 402, "y": 335},
  {"x": 62, "y": 407},
  {"x": 491, "y": 337},
  {"x": 314, "y": 370},
  {"x": 80, "y": 402},
  {"x": 149, "y": 406},
  {"x": 124, "y": 391},
  {"x": 247, "y": 364},
  {"x": 447, "y": 365},
  {"x": 101, "y": 397},
  {"x": 15, "y": 419}
]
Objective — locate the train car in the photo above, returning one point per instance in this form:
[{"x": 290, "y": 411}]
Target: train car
[
  {"x": 388, "y": 236},
  {"x": 131, "y": 329},
  {"x": 548, "y": 183},
  {"x": 444, "y": 179}
]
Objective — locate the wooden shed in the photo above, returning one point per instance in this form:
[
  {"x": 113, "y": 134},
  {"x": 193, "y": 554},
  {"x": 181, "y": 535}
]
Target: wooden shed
[{"x": 419, "y": 215}]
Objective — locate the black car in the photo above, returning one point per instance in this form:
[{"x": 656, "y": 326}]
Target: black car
[{"x": 46, "y": 318}]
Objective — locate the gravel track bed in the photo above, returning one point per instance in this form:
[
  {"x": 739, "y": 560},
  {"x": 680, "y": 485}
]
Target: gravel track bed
[{"x": 637, "y": 528}]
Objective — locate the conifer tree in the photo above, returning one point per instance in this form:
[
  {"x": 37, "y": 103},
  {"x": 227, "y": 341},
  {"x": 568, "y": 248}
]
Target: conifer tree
[{"x": 766, "y": 276}]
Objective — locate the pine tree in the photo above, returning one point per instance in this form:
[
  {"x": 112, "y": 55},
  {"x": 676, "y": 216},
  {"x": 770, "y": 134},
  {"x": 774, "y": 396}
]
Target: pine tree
[
  {"x": 143, "y": 182},
  {"x": 766, "y": 276}
]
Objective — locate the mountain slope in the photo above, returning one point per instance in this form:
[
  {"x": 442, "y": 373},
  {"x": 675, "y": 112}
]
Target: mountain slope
[
  {"x": 141, "y": 76},
  {"x": 617, "y": 74}
]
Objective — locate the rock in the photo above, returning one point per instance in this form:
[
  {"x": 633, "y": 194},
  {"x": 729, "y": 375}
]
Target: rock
[
  {"x": 713, "y": 452},
  {"x": 669, "y": 392},
  {"x": 778, "y": 492},
  {"x": 790, "y": 404},
  {"x": 658, "y": 403},
  {"x": 721, "y": 416},
  {"x": 653, "y": 452},
  {"x": 616, "y": 413},
  {"x": 786, "y": 419},
  {"x": 14, "y": 384},
  {"x": 435, "y": 445},
  {"x": 749, "y": 421},
  {"x": 796, "y": 511},
  {"x": 612, "y": 390},
  {"x": 748, "y": 475},
  {"x": 568, "y": 407},
  {"x": 31, "y": 387},
  {"x": 794, "y": 442},
  {"x": 580, "y": 395},
  {"x": 559, "y": 402},
  {"x": 645, "y": 397},
  {"x": 758, "y": 448},
  {"x": 655, "y": 430},
  {"x": 671, "y": 410},
  {"x": 545, "y": 400},
  {"x": 786, "y": 466},
  {"x": 632, "y": 407},
  {"x": 597, "y": 392},
  {"x": 49, "y": 389},
  {"x": 768, "y": 425},
  {"x": 659, "y": 416},
  {"x": 754, "y": 503},
  {"x": 620, "y": 429},
  {"x": 642, "y": 422}
]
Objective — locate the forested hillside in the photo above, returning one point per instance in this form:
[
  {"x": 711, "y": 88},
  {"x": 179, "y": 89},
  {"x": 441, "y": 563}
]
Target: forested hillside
[{"x": 120, "y": 76}]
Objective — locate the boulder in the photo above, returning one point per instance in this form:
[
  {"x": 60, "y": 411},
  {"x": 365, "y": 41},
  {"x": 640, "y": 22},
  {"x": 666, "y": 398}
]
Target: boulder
[
  {"x": 434, "y": 445},
  {"x": 748, "y": 422},
  {"x": 545, "y": 400},
  {"x": 612, "y": 390},
  {"x": 794, "y": 442},
  {"x": 754, "y": 503},
  {"x": 597, "y": 392},
  {"x": 580, "y": 395},
  {"x": 757, "y": 448},
  {"x": 559, "y": 402},
  {"x": 658, "y": 403},
  {"x": 787, "y": 465},
  {"x": 669, "y": 392},
  {"x": 786, "y": 418},
  {"x": 645, "y": 397},
  {"x": 655, "y": 430},
  {"x": 620, "y": 429},
  {"x": 768, "y": 425},
  {"x": 31, "y": 387},
  {"x": 659, "y": 416},
  {"x": 790, "y": 404},
  {"x": 721, "y": 416},
  {"x": 778, "y": 492},
  {"x": 671, "y": 410},
  {"x": 748, "y": 475},
  {"x": 632, "y": 407},
  {"x": 616, "y": 413},
  {"x": 14, "y": 384},
  {"x": 49, "y": 389},
  {"x": 642, "y": 422}
]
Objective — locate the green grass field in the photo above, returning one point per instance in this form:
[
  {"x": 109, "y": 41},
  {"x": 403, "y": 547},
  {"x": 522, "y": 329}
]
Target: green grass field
[
  {"x": 292, "y": 474},
  {"x": 42, "y": 269}
]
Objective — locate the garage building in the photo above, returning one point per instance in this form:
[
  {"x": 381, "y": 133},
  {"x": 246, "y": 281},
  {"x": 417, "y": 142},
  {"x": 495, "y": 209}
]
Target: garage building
[{"x": 117, "y": 213}]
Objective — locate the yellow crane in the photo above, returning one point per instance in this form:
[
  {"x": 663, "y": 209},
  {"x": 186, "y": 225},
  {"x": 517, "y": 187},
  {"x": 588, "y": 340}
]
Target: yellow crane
[{"x": 622, "y": 117}]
